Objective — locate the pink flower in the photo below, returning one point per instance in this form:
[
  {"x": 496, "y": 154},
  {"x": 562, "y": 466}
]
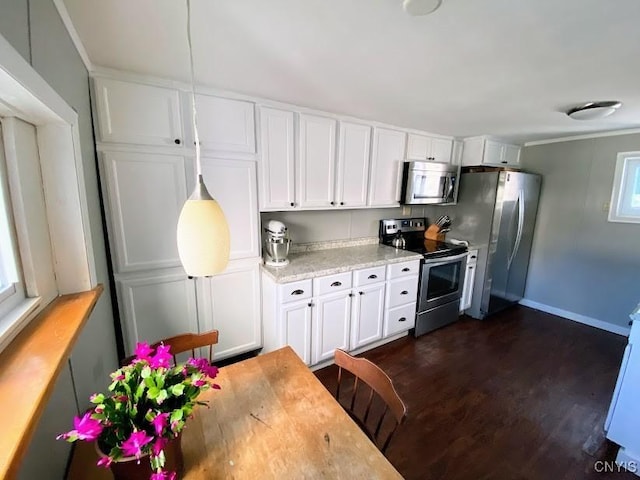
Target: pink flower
[
  {"x": 163, "y": 476},
  {"x": 159, "y": 445},
  {"x": 160, "y": 422},
  {"x": 104, "y": 462},
  {"x": 203, "y": 365},
  {"x": 132, "y": 446},
  {"x": 143, "y": 351},
  {"x": 199, "y": 383},
  {"x": 162, "y": 358},
  {"x": 86, "y": 428}
]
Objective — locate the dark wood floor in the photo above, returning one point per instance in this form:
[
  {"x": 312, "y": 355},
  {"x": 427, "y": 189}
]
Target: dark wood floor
[{"x": 522, "y": 395}]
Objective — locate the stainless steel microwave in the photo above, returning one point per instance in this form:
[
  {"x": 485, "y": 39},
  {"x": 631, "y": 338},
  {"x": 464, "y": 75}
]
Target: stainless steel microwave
[{"x": 428, "y": 182}]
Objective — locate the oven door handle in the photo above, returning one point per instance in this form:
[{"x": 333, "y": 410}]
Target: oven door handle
[{"x": 435, "y": 262}]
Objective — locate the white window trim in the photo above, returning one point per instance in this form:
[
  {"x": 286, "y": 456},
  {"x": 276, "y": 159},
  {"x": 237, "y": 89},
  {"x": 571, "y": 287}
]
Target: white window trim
[
  {"x": 25, "y": 95},
  {"x": 624, "y": 174}
]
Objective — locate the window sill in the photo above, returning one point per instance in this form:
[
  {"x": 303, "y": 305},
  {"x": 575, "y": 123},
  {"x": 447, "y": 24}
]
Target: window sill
[
  {"x": 30, "y": 366},
  {"x": 17, "y": 319}
]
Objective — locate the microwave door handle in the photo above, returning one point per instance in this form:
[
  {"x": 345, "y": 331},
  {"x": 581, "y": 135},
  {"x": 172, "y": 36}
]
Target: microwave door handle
[
  {"x": 445, "y": 180},
  {"x": 451, "y": 181}
]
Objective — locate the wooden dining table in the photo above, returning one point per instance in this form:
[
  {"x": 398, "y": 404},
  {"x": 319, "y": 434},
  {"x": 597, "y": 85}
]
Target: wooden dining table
[{"x": 272, "y": 418}]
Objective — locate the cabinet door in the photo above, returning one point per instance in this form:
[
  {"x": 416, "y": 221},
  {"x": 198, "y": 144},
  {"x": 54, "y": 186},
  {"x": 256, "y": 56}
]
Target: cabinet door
[
  {"x": 511, "y": 155},
  {"x": 386, "y": 167},
  {"x": 226, "y": 125},
  {"x": 418, "y": 147},
  {"x": 467, "y": 287},
  {"x": 316, "y": 161},
  {"x": 625, "y": 422},
  {"x": 368, "y": 315},
  {"x": 233, "y": 184},
  {"x": 277, "y": 161},
  {"x": 492, "y": 153},
  {"x": 330, "y": 319},
  {"x": 234, "y": 310},
  {"x": 145, "y": 194},
  {"x": 137, "y": 113},
  {"x": 295, "y": 328},
  {"x": 353, "y": 164},
  {"x": 156, "y": 307},
  {"x": 441, "y": 149}
]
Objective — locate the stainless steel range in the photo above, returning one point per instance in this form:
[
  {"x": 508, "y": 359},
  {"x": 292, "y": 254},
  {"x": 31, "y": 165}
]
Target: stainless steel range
[{"x": 441, "y": 272}]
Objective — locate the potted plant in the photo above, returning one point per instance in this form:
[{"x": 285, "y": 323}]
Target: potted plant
[{"x": 143, "y": 414}]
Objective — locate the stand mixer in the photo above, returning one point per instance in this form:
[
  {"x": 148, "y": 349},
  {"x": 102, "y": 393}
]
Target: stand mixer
[{"x": 276, "y": 244}]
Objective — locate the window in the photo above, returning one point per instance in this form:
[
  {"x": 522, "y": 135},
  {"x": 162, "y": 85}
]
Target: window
[
  {"x": 625, "y": 197},
  {"x": 11, "y": 289}
]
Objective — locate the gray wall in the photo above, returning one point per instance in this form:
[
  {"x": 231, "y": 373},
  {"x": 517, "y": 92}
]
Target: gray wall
[
  {"x": 36, "y": 31},
  {"x": 580, "y": 262}
]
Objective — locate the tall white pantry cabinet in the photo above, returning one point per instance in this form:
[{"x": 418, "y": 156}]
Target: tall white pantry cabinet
[{"x": 147, "y": 167}]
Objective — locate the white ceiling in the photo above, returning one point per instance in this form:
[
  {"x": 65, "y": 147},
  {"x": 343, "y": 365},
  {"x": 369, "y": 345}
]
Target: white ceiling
[{"x": 502, "y": 67}]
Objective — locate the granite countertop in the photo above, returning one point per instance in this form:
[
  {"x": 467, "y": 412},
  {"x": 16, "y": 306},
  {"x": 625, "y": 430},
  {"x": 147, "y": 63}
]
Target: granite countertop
[{"x": 319, "y": 263}]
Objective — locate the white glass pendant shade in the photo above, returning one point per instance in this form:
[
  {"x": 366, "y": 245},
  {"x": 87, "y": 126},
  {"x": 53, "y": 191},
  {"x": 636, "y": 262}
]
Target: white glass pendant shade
[
  {"x": 420, "y": 7},
  {"x": 203, "y": 234}
]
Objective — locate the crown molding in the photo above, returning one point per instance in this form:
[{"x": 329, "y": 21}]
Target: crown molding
[
  {"x": 73, "y": 33},
  {"x": 611, "y": 133}
]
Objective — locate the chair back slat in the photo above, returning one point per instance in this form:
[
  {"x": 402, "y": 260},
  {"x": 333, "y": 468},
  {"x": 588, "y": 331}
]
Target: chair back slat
[
  {"x": 379, "y": 384},
  {"x": 189, "y": 342}
]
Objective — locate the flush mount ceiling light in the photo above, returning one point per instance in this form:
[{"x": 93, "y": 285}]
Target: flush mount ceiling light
[
  {"x": 594, "y": 110},
  {"x": 420, "y": 7}
]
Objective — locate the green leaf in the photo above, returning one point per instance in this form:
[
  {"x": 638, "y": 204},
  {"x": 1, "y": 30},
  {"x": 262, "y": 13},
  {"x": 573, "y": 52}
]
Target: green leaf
[
  {"x": 160, "y": 380},
  {"x": 176, "y": 415},
  {"x": 177, "y": 390},
  {"x": 146, "y": 371},
  {"x": 139, "y": 391},
  {"x": 98, "y": 398},
  {"x": 149, "y": 382},
  {"x": 162, "y": 396},
  {"x": 153, "y": 392}
]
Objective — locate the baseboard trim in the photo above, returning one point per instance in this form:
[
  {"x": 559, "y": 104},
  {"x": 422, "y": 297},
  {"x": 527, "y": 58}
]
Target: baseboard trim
[{"x": 576, "y": 317}]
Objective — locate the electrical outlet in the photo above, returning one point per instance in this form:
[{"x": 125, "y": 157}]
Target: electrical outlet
[
  {"x": 605, "y": 207},
  {"x": 406, "y": 211}
]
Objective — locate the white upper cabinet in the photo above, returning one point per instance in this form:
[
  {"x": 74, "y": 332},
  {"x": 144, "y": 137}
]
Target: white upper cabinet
[
  {"x": 353, "y": 165},
  {"x": 316, "y": 161},
  {"x": 484, "y": 151},
  {"x": 225, "y": 179},
  {"x": 226, "y": 125},
  {"x": 386, "y": 167},
  {"x": 277, "y": 171},
  {"x": 140, "y": 114},
  {"x": 423, "y": 147},
  {"x": 145, "y": 193}
]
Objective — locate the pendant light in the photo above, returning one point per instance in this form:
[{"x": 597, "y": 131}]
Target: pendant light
[
  {"x": 203, "y": 232},
  {"x": 594, "y": 110}
]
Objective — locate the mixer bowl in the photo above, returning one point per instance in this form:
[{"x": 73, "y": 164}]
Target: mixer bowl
[{"x": 277, "y": 249}]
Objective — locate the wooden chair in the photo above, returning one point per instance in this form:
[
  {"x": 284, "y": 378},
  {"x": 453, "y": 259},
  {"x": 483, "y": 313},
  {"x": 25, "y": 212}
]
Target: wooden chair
[
  {"x": 369, "y": 373},
  {"x": 190, "y": 342}
]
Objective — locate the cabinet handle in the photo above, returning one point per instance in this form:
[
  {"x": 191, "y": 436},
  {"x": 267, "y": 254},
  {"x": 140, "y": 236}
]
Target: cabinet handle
[
  {"x": 297, "y": 292},
  {"x": 351, "y": 295},
  {"x": 336, "y": 284},
  {"x": 361, "y": 293},
  {"x": 402, "y": 319},
  {"x": 473, "y": 256},
  {"x": 372, "y": 276},
  {"x": 630, "y": 323},
  {"x": 470, "y": 267},
  {"x": 406, "y": 269},
  {"x": 292, "y": 204},
  {"x": 404, "y": 292},
  {"x": 177, "y": 141},
  {"x": 310, "y": 304},
  {"x": 333, "y": 203},
  {"x": 504, "y": 161},
  {"x": 341, "y": 203}
]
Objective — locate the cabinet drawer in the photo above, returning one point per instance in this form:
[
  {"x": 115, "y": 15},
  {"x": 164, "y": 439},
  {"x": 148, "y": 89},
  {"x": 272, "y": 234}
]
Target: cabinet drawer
[
  {"x": 402, "y": 291},
  {"x": 396, "y": 270},
  {"x": 291, "y": 292},
  {"x": 332, "y": 283},
  {"x": 472, "y": 257},
  {"x": 399, "y": 319},
  {"x": 369, "y": 275}
]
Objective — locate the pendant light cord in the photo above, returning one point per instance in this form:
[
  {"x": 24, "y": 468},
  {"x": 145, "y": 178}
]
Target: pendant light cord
[{"x": 194, "y": 116}]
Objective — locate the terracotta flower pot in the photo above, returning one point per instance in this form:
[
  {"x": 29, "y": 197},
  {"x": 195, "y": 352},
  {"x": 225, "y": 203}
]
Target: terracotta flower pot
[{"x": 128, "y": 468}]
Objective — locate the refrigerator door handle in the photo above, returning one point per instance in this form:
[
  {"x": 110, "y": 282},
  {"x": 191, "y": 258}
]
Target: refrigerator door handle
[{"x": 516, "y": 244}]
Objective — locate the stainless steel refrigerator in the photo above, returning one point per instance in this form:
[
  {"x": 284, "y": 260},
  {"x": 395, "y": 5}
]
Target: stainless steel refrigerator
[{"x": 496, "y": 212}]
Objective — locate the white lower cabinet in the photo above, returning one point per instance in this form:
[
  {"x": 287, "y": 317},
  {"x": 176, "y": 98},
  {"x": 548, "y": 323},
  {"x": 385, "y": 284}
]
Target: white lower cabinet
[
  {"x": 345, "y": 310},
  {"x": 330, "y": 321},
  {"x": 367, "y": 315}
]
